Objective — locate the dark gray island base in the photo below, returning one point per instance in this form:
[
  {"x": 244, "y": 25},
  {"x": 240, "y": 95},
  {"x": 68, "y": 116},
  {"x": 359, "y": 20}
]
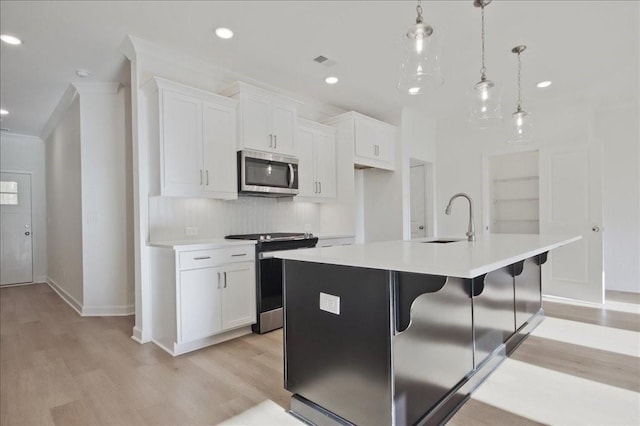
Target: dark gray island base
[{"x": 399, "y": 348}]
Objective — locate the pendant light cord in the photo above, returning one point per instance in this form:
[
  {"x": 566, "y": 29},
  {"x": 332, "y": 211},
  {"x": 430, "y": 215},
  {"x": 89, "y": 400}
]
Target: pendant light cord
[
  {"x": 483, "y": 70},
  {"x": 519, "y": 83},
  {"x": 419, "y": 11}
]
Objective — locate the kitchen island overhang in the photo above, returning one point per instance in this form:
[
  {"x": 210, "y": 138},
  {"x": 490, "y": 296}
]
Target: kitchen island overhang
[{"x": 401, "y": 332}]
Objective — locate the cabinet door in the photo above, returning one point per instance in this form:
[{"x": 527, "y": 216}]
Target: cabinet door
[
  {"x": 326, "y": 165},
  {"x": 256, "y": 126},
  {"x": 307, "y": 183},
  {"x": 283, "y": 127},
  {"x": 181, "y": 149},
  {"x": 219, "y": 146},
  {"x": 386, "y": 144},
  {"x": 199, "y": 303},
  {"x": 238, "y": 295},
  {"x": 366, "y": 139}
]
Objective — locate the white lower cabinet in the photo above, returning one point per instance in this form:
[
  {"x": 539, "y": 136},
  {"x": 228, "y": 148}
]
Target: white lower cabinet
[{"x": 202, "y": 297}]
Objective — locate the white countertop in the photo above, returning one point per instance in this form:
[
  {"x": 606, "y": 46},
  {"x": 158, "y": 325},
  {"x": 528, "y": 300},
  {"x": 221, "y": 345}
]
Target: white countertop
[
  {"x": 203, "y": 244},
  {"x": 462, "y": 259}
]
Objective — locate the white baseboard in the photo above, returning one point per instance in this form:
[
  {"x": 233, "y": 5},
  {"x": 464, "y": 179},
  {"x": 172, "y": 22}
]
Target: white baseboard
[
  {"x": 108, "y": 311},
  {"x": 64, "y": 295},
  {"x": 182, "y": 348},
  {"x": 137, "y": 335}
]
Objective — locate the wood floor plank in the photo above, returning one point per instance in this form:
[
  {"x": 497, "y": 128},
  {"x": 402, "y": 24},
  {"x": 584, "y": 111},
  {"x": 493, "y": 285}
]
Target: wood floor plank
[
  {"x": 622, "y": 297},
  {"x": 606, "y": 367},
  {"x": 476, "y": 413},
  {"x": 593, "y": 315}
]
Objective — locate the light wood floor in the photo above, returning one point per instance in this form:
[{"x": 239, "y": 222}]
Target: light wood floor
[{"x": 57, "y": 368}]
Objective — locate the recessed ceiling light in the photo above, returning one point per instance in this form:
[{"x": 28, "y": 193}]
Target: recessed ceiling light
[
  {"x": 414, "y": 90},
  {"x": 4, "y": 112},
  {"x": 544, "y": 84},
  {"x": 331, "y": 80},
  {"x": 224, "y": 33},
  {"x": 9, "y": 39},
  {"x": 82, "y": 73}
]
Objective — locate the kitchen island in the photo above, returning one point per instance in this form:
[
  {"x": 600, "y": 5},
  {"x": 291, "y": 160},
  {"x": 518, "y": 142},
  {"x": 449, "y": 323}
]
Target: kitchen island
[{"x": 401, "y": 332}]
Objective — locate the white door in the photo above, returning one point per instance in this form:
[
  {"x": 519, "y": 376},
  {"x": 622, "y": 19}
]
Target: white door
[
  {"x": 326, "y": 164},
  {"x": 238, "y": 295},
  {"x": 16, "y": 253},
  {"x": 571, "y": 204},
  {"x": 417, "y": 200},
  {"x": 219, "y": 147},
  {"x": 182, "y": 144}
]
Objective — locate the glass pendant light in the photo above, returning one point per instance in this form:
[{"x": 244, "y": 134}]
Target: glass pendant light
[
  {"x": 485, "y": 108},
  {"x": 420, "y": 68},
  {"x": 521, "y": 126}
]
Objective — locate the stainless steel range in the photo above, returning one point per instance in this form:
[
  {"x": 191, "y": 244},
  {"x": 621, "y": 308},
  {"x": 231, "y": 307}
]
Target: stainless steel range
[{"x": 269, "y": 273}]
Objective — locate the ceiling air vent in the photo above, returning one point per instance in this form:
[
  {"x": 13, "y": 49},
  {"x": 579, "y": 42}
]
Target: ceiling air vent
[{"x": 324, "y": 61}]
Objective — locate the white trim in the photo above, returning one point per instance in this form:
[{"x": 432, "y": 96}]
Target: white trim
[
  {"x": 182, "y": 348},
  {"x": 84, "y": 88},
  {"x": 65, "y": 102},
  {"x": 71, "y": 301},
  {"x": 137, "y": 335},
  {"x": 108, "y": 311}
]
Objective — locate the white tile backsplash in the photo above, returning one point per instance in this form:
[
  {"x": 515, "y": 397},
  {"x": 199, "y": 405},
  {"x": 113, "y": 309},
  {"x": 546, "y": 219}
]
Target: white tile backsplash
[{"x": 168, "y": 216}]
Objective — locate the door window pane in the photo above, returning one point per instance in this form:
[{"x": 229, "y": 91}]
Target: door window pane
[{"x": 8, "y": 193}]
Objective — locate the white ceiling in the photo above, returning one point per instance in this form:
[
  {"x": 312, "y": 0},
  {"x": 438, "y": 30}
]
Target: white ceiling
[{"x": 588, "y": 48}]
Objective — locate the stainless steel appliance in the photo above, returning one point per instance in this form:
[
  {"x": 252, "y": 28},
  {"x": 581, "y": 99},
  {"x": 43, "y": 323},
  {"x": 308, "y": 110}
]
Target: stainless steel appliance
[
  {"x": 269, "y": 274},
  {"x": 271, "y": 175}
]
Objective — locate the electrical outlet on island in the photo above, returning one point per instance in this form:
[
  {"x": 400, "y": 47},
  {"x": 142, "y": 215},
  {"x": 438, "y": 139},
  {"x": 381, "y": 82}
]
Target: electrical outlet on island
[{"x": 191, "y": 231}]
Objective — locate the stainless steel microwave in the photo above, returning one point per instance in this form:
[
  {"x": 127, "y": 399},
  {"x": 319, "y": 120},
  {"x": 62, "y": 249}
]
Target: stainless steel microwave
[{"x": 271, "y": 175}]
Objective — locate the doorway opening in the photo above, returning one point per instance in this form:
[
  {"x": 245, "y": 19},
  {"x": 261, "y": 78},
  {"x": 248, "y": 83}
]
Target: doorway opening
[{"x": 422, "y": 192}]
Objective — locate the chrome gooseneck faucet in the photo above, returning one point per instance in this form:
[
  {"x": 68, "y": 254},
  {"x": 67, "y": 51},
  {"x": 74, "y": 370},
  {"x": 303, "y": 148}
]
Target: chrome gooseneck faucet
[{"x": 471, "y": 232}]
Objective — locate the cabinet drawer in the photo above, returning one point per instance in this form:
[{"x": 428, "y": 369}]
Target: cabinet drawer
[{"x": 212, "y": 257}]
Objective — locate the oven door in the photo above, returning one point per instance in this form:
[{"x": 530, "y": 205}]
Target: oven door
[{"x": 267, "y": 174}]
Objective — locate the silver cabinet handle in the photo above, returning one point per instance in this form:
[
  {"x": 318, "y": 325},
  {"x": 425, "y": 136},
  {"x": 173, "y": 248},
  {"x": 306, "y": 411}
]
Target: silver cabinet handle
[
  {"x": 202, "y": 258},
  {"x": 319, "y": 187},
  {"x": 275, "y": 141},
  {"x": 218, "y": 280},
  {"x": 270, "y": 141},
  {"x": 292, "y": 174},
  {"x": 207, "y": 177},
  {"x": 225, "y": 279},
  {"x": 239, "y": 254},
  {"x": 200, "y": 177}
]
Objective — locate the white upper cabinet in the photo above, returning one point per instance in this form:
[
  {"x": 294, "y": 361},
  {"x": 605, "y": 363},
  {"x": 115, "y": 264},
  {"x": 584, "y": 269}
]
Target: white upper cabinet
[
  {"x": 316, "y": 152},
  {"x": 192, "y": 141},
  {"x": 267, "y": 120},
  {"x": 374, "y": 141}
]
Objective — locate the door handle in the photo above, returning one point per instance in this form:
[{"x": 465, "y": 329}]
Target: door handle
[
  {"x": 275, "y": 141},
  {"x": 420, "y": 227},
  {"x": 319, "y": 187},
  {"x": 595, "y": 229},
  {"x": 270, "y": 141},
  {"x": 292, "y": 173},
  {"x": 27, "y": 233},
  {"x": 316, "y": 187},
  {"x": 225, "y": 279},
  {"x": 200, "y": 177},
  {"x": 207, "y": 177},
  {"x": 218, "y": 280}
]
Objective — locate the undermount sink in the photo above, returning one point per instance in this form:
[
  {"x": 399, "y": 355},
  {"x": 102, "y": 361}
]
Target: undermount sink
[{"x": 442, "y": 241}]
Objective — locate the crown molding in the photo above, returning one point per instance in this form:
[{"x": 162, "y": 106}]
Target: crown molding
[{"x": 84, "y": 88}]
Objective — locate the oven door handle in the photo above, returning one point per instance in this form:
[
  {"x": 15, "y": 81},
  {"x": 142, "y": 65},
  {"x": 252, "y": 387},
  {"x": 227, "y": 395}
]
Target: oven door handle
[
  {"x": 266, "y": 255},
  {"x": 292, "y": 174}
]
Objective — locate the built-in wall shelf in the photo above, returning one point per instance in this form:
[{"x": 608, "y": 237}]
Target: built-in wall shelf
[
  {"x": 514, "y": 193},
  {"x": 506, "y": 200},
  {"x": 516, "y": 179}
]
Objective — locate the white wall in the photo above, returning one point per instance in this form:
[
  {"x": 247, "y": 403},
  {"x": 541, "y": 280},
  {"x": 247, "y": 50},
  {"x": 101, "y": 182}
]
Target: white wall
[
  {"x": 618, "y": 129},
  {"x": 20, "y": 153},
  {"x": 107, "y": 209},
  {"x": 64, "y": 207}
]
